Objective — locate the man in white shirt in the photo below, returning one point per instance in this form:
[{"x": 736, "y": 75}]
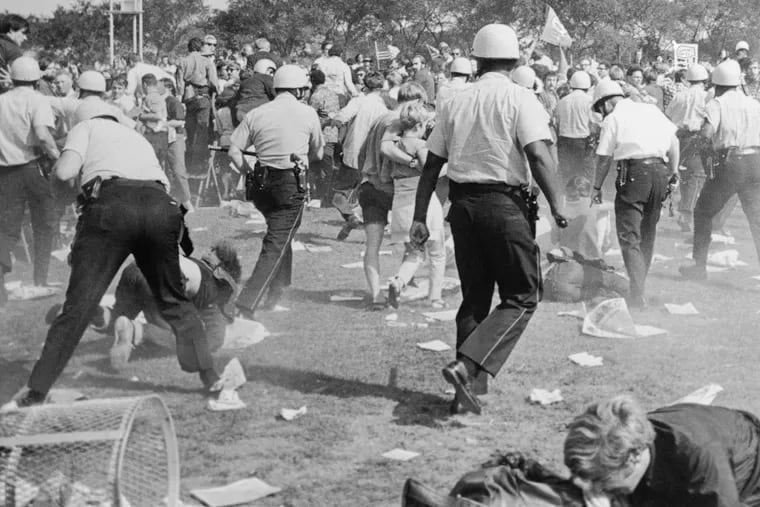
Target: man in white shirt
[
  {"x": 573, "y": 117},
  {"x": 639, "y": 138}
]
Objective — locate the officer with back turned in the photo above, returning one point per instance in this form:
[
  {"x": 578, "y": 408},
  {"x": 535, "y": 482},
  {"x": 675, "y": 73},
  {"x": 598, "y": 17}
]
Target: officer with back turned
[
  {"x": 125, "y": 209},
  {"x": 286, "y": 134}
]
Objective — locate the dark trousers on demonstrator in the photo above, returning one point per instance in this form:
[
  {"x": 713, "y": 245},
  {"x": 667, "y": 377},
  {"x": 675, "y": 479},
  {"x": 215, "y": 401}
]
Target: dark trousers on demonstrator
[
  {"x": 637, "y": 210},
  {"x": 739, "y": 174},
  {"x": 197, "y": 122},
  {"x": 21, "y": 185},
  {"x": 129, "y": 217},
  {"x": 281, "y": 202},
  {"x": 493, "y": 244}
]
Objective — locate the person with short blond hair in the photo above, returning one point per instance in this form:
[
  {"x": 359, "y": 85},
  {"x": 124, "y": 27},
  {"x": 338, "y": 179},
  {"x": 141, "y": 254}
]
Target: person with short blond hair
[{"x": 680, "y": 455}]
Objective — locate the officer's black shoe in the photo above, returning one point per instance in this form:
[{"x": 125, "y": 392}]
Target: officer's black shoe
[
  {"x": 30, "y": 399},
  {"x": 695, "y": 272},
  {"x": 455, "y": 373},
  {"x": 480, "y": 383},
  {"x": 636, "y": 302}
]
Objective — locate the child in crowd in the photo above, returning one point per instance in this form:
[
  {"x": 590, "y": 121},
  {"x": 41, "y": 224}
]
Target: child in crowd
[
  {"x": 119, "y": 96},
  {"x": 413, "y": 121}
]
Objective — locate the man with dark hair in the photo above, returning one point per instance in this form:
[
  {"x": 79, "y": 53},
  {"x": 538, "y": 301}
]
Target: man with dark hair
[
  {"x": 26, "y": 115},
  {"x": 358, "y": 116},
  {"x": 196, "y": 80},
  {"x": 485, "y": 133},
  {"x": 254, "y": 91},
  {"x": 13, "y": 33},
  {"x": 423, "y": 76}
]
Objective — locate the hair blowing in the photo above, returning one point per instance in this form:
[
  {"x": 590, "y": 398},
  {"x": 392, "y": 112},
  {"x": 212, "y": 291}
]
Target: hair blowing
[{"x": 600, "y": 441}]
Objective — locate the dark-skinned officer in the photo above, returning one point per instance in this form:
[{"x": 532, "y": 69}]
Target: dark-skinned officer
[{"x": 494, "y": 136}]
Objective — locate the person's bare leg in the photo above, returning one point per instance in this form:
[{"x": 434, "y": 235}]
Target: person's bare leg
[{"x": 374, "y": 238}]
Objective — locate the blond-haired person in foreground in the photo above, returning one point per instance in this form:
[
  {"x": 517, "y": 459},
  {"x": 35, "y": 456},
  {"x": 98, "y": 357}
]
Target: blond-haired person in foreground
[{"x": 680, "y": 455}]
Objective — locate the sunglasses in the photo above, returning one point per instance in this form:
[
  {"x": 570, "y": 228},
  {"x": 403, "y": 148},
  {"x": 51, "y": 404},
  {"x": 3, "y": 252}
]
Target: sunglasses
[{"x": 210, "y": 43}]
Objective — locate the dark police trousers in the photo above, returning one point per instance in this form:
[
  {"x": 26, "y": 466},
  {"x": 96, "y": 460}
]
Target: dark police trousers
[
  {"x": 738, "y": 174},
  {"x": 281, "y": 202},
  {"x": 637, "y": 210},
  {"x": 129, "y": 217},
  {"x": 20, "y": 185},
  {"x": 493, "y": 244}
]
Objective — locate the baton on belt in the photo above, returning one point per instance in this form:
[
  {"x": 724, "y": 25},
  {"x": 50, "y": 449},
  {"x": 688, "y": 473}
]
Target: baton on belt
[{"x": 213, "y": 147}]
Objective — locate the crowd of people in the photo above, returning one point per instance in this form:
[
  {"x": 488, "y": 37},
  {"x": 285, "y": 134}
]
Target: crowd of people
[{"x": 485, "y": 136}]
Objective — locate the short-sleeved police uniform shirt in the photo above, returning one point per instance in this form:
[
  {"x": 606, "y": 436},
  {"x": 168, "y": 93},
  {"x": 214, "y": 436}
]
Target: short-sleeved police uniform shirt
[
  {"x": 109, "y": 149},
  {"x": 736, "y": 119},
  {"x": 687, "y": 109},
  {"x": 482, "y": 131},
  {"x": 635, "y": 130},
  {"x": 279, "y": 129},
  {"x": 574, "y": 115},
  {"x": 21, "y": 109}
]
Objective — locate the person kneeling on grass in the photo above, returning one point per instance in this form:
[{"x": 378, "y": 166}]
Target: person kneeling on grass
[
  {"x": 210, "y": 284},
  {"x": 680, "y": 455},
  {"x": 413, "y": 121}
]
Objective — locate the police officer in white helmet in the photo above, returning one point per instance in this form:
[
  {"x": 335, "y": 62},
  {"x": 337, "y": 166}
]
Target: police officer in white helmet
[
  {"x": 286, "y": 134},
  {"x": 495, "y": 137},
  {"x": 639, "y": 138},
  {"x": 460, "y": 70},
  {"x": 125, "y": 209},
  {"x": 732, "y": 128},
  {"x": 25, "y": 139}
]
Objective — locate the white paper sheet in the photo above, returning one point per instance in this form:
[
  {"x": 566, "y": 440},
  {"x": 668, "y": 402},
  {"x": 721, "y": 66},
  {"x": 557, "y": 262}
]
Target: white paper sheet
[
  {"x": 400, "y": 454},
  {"x": 240, "y": 492},
  {"x": 684, "y": 309},
  {"x": 434, "y": 345}
]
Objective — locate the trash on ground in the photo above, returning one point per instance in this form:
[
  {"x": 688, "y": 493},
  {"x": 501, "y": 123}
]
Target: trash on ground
[
  {"x": 578, "y": 314},
  {"x": 233, "y": 375},
  {"x": 611, "y": 319},
  {"x": 705, "y": 395},
  {"x": 28, "y": 292},
  {"x": 726, "y": 240},
  {"x": 312, "y": 248},
  {"x": 280, "y": 308},
  {"x": 63, "y": 396},
  {"x": 585, "y": 359},
  {"x": 400, "y": 454},
  {"x": 336, "y": 298},
  {"x": 544, "y": 397},
  {"x": 297, "y": 246},
  {"x": 684, "y": 309},
  {"x": 314, "y": 203},
  {"x": 228, "y": 400},
  {"x": 661, "y": 258},
  {"x": 290, "y": 414},
  {"x": 391, "y": 317},
  {"x": 725, "y": 258},
  {"x": 353, "y": 265},
  {"x": 243, "y": 333},
  {"x": 381, "y": 252},
  {"x": 434, "y": 345},
  {"x": 442, "y": 316},
  {"x": 240, "y": 492},
  {"x": 198, "y": 229}
]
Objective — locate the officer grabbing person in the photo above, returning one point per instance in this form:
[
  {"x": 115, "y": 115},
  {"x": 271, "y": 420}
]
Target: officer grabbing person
[
  {"x": 639, "y": 138},
  {"x": 494, "y": 135},
  {"x": 25, "y": 140},
  {"x": 732, "y": 132},
  {"x": 286, "y": 134},
  {"x": 125, "y": 209}
]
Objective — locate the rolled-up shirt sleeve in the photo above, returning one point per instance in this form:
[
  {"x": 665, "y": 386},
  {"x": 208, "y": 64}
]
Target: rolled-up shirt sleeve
[
  {"x": 606, "y": 146},
  {"x": 78, "y": 139},
  {"x": 240, "y": 137},
  {"x": 532, "y": 121}
]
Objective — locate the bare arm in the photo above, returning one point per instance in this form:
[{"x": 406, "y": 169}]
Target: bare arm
[
  {"x": 67, "y": 167},
  {"x": 426, "y": 186},
  {"x": 237, "y": 158},
  {"x": 674, "y": 154},
  {"x": 46, "y": 139},
  {"x": 542, "y": 167},
  {"x": 389, "y": 150}
]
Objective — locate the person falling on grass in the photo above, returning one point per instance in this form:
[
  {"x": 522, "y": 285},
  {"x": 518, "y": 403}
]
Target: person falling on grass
[{"x": 413, "y": 119}]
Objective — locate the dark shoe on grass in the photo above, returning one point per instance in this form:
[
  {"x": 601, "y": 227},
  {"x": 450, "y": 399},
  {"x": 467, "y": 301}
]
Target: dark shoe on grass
[{"x": 456, "y": 374}]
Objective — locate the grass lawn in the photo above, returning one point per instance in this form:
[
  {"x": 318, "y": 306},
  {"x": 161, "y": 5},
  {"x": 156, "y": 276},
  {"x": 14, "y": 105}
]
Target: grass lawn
[{"x": 369, "y": 389}]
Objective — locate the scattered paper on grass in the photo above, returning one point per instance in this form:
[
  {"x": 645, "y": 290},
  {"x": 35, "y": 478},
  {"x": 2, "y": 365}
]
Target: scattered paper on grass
[
  {"x": 716, "y": 269},
  {"x": 228, "y": 400},
  {"x": 314, "y": 203},
  {"x": 421, "y": 288},
  {"x": 382, "y": 252},
  {"x": 280, "y": 308},
  {"x": 578, "y": 314},
  {"x": 198, "y": 229},
  {"x": 134, "y": 379},
  {"x": 684, "y": 309},
  {"x": 233, "y": 375},
  {"x": 645, "y": 331},
  {"x": 544, "y": 397},
  {"x": 756, "y": 277},
  {"x": 393, "y": 323},
  {"x": 434, "y": 345},
  {"x": 63, "y": 396},
  {"x": 400, "y": 454},
  {"x": 62, "y": 254},
  {"x": 11, "y": 286},
  {"x": 27, "y": 292},
  {"x": 705, "y": 395},
  {"x": 391, "y": 317},
  {"x": 312, "y": 248},
  {"x": 661, "y": 258},
  {"x": 240, "y": 492},
  {"x": 725, "y": 258},
  {"x": 610, "y": 319},
  {"x": 256, "y": 221},
  {"x": 443, "y": 316},
  {"x": 614, "y": 252},
  {"x": 726, "y": 240},
  {"x": 337, "y": 298},
  {"x": 353, "y": 265},
  {"x": 585, "y": 359},
  {"x": 297, "y": 246},
  {"x": 243, "y": 333},
  {"x": 290, "y": 414}
]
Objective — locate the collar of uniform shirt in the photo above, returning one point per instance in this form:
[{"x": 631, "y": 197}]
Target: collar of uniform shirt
[
  {"x": 285, "y": 96},
  {"x": 494, "y": 75}
]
